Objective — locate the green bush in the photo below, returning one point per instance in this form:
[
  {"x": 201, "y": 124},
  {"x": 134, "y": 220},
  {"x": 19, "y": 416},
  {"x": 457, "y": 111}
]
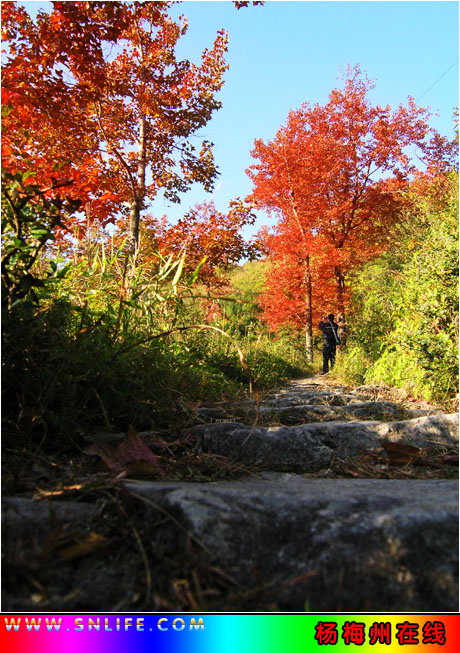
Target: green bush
[
  {"x": 82, "y": 355},
  {"x": 404, "y": 318}
]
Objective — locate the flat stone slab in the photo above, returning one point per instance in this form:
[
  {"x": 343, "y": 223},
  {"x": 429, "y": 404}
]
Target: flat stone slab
[
  {"x": 325, "y": 545},
  {"x": 284, "y": 399},
  {"x": 56, "y": 558},
  {"x": 17, "y": 510},
  {"x": 306, "y": 397},
  {"x": 309, "y": 447},
  {"x": 423, "y": 431},
  {"x": 304, "y": 414},
  {"x": 26, "y": 519}
]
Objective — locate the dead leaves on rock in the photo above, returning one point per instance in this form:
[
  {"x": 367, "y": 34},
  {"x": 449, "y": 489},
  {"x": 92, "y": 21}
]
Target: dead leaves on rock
[
  {"x": 404, "y": 454},
  {"x": 398, "y": 460},
  {"x": 401, "y": 454}
]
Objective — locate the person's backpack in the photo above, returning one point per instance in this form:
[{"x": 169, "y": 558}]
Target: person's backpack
[{"x": 336, "y": 337}]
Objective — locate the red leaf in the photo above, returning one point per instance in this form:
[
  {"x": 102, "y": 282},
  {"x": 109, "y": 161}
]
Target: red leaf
[{"x": 130, "y": 455}]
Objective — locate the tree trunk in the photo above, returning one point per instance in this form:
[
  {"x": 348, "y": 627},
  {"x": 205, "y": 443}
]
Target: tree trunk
[
  {"x": 137, "y": 201},
  {"x": 340, "y": 279},
  {"x": 309, "y": 312},
  {"x": 134, "y": 220}
]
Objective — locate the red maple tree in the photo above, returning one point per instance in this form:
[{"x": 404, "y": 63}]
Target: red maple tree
[
  {"x": 206, "y": 233},
  {"x": 94, "y": 92},
  {"x": 336, "y": 177},
  {"x": 208, "y": 239},
  {"x": 298, "y": 289}
]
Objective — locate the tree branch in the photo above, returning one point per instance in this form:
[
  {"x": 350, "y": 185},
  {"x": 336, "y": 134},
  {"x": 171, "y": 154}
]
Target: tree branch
[{"x": 112, "y": 148}]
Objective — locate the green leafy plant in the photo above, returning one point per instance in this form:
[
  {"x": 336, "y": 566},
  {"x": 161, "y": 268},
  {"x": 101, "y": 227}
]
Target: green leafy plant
[
  {"x": 29, "y": 220},
  {"x": 404, "y": 322}
]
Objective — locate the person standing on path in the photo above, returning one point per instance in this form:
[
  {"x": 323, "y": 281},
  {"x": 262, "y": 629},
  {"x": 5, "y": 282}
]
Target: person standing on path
[{"x": 330, "y": 341}]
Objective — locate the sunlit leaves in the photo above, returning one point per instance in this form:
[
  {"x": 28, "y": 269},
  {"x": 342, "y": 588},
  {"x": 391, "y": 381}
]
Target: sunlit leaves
[
  {"x": 29, "y": 219},
  {"x": 336, "y": 178},
  {"x": 206, "y": 233},
  {"x": 98, "y": 85}
]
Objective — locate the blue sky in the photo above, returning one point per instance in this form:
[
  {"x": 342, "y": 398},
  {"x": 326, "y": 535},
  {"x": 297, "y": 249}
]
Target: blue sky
[{"x": 284, "y": 53}]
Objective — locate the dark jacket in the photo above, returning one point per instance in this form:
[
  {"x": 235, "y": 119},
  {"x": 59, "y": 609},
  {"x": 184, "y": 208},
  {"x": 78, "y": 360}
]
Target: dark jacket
[{"x": 329, "y": 329}]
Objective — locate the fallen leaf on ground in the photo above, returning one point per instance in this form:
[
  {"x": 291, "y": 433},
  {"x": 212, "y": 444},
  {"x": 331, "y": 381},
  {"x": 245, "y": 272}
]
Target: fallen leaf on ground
[
  {"x": 130, "y": 455},
  {"x": 450, "y": 459},
  {"x": 401, "y": 454},
  {"x": 84, "y": 546}
]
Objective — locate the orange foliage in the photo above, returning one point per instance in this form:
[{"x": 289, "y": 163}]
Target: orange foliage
[
  {"x": 202, "y": 232},
  {"x": 337, "y": 177},
  {"x": 94, "y": 92}
]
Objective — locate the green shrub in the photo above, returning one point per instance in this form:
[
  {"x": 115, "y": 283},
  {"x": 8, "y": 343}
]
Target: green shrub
[
  {"x": 83, "y": 356},
  {"x": 404, "y": 319}
]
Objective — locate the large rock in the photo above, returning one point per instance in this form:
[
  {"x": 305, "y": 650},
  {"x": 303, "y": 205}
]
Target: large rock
[
  {"x": 422, "y": 431},
  {"x": 25, "y": 520},
  {"x": 311, "y": 446},
  {"x": 306, "y": 397},
  {"x": 56, "y": 558},
  {"x": 303, "y": 413},
  {"x": 326, "y": 545}
]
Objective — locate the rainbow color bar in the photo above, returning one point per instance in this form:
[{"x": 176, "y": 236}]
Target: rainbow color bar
[{"x": 228, "y": 633}]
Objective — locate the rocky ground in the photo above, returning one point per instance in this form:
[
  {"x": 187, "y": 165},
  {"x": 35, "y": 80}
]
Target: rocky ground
[{"x": 322, "y": 498}]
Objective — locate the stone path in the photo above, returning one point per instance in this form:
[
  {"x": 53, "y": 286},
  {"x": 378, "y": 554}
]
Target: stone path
[
  {"x": 327, "y": 544},
  {"x": 310, "y": 543},
  {"x": 324, "y": 422}
]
